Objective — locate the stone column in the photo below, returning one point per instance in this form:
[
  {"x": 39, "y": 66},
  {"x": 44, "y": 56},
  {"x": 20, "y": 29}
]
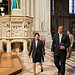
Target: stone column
[
  {"x": 50, "y": 16},
  {"x": 34, "y": 15},
  {"x": 31, "y": 8},
  {"x": 42, "y": 15},
  {"x": 37, "y": 15},
  {"x": 25, "y": 45},
  {"x": 27, "y": 8},
  {"x": 8, "y": 46},
  {"x": 23, "y": 6}
]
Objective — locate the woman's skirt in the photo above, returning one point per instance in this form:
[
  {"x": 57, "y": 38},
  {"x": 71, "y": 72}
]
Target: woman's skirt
[{"x": 37, "y": 58}]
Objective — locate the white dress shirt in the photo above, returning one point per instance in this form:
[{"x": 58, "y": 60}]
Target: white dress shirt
[
  {"x": 60, "y": 37},
  {"x": 36, "y": 43},
  {"x": 69, "y": 35}
]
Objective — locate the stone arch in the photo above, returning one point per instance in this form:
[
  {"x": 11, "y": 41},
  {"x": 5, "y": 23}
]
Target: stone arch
[{"x": 4, "y": 46}]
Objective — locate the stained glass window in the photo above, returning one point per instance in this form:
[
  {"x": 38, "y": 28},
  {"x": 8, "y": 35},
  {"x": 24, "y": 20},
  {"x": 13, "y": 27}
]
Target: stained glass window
[
  {"x": 14, "y": 4},
  {"x": 71, "y": 6},
  {"x": 52, "y": 7}
]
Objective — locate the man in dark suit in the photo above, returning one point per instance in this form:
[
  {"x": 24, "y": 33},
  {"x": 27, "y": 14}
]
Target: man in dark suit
[
  {"x": 37, "y": 50},
  {"x": 60, "y": 43},
  {"x": 69, "y": 49}
]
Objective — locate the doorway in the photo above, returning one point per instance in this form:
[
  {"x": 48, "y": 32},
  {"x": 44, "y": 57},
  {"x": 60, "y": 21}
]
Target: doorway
[{"x": 17, "y": 46}]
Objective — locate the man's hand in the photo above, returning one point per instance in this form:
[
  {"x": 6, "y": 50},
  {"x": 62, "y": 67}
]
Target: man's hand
[
  {"x": 52, "y": 53},
  {"x": 71, "y": 45},
  {"x": 62, "y": 47}
]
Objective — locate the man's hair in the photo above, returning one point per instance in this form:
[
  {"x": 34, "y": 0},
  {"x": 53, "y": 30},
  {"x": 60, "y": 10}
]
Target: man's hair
[
  {"x": 36, "y": 34},
  {"x": 68, "y": 30},
  {"x": 61, "y": 26}
]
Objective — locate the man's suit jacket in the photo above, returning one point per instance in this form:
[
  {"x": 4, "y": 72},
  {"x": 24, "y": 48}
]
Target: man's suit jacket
[
  {"x": 55, "y": 44},
  {"x": 69, "y": 49},
  {"x": 71, "y": 39},
  {"x": 39, "y": 50}
]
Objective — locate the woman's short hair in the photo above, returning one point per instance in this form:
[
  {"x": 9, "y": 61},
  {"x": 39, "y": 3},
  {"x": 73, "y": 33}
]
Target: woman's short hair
[{"x": 36, "y": 34}]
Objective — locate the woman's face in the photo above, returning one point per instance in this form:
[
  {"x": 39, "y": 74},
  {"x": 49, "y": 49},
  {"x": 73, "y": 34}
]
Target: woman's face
[
  {"x": 37, "y": 37},
  {"x": 68, "y": 32}
]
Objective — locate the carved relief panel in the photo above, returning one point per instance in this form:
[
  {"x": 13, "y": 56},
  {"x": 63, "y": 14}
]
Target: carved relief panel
[
  {"x": 4, "y": 27},
  {"x": 28, "y": 27},
  {"x": 16, "y": 30},
  {"x": 16, "y": 27}
]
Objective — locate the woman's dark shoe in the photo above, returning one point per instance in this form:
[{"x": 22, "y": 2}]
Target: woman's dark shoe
[
  {"x": 59, "y": 72},
  {"x": 41, "y": 70}
]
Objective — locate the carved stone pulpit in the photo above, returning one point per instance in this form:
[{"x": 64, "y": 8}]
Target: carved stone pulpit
[{"x": 15, "y": 29}]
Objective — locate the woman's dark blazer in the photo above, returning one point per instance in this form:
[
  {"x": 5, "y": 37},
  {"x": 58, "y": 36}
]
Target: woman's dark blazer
[{"x": 39, "y": 50}]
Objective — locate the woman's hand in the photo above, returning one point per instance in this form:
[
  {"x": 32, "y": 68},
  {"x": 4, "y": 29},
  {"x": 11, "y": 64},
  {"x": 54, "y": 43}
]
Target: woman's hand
[{"x": 28, "y": 56}]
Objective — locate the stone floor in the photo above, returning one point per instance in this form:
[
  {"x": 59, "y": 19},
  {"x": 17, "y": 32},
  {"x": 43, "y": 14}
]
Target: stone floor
[{"x": 48, "y": 65}]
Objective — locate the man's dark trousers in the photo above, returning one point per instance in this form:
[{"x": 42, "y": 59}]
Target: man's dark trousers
[{"x": 59, "y": 61}]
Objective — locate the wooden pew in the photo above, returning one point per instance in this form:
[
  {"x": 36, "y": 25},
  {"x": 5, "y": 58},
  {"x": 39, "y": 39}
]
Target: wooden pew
[
  {"x": 10, "y": 64},
  {"x": 0, "y": 53}
]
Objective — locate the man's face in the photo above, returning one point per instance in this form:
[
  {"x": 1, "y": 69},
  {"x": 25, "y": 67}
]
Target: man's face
[
  {"x": 60, "y": 30},
  {"x": 37, "y": 37},
  {"x": 68, "y": 32}
]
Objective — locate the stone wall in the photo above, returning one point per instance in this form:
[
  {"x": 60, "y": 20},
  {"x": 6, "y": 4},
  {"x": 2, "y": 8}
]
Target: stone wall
[{"x": 42, "y": 20}]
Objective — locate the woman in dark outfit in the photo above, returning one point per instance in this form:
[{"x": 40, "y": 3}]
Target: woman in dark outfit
[{"x": 37, "y": 50}]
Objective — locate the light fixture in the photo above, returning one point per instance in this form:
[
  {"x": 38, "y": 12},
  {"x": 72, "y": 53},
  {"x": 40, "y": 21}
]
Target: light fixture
[
  {"x": 2, "y": 14},
  {"x": 2, "y": 11},
  {"x": 0, "y": 1},
  {"x": 2, "y": 8}
]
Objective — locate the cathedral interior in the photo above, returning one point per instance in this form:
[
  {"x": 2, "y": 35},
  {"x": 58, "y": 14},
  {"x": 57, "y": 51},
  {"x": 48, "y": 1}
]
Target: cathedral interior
[
  {"x": 63, "y": 13},
  {"x": 20, "y": 20}
]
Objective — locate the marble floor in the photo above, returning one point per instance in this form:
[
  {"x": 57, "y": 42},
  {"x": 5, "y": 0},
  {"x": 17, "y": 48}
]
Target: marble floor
[{"x": 48, "y": 65}]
